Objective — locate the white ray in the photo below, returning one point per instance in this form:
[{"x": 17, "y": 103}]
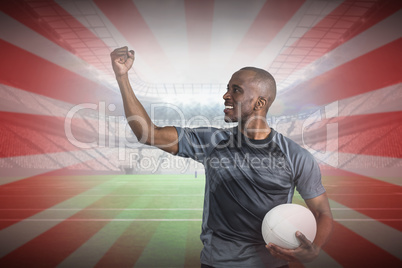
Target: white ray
[
  {"x": 86, "y": 11},
  {"x": 382, "y": 100},
  {"x": 100, "y": 243},
  {"x": 21, "y": 167},
  {"x": 384, "y": 236},
  {"x": 387, "y": 169},
  {"x": 20, "y": 101},
  {"x": 231, "y": 21},
  {"x": 167, "y": 21},
  {"x": 24, "y": 231},
  {"x": 323, "y": 260},
  {"x": 375, "y": 37},
  {"x": 94, "y": 249},
  {"x": 315, "y": 11}
]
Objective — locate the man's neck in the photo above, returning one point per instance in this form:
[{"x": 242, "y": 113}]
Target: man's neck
[{"x": 257, "y": 131}]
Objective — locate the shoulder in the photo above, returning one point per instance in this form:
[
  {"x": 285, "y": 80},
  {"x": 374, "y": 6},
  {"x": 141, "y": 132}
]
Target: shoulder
[
  {"x": 208, "y": 137},
  {"x": 288, "y": 144},
  {"x": 292, "y": 150},
  {"x": 201, "y": 140},
  {"x": 211, "y": 132}
]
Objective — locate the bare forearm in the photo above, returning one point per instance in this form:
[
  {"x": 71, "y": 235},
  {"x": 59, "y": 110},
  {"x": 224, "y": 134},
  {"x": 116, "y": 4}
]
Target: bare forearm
[
  {"x": 137, "y": 117},
  {"x": 324, "y": 229},
  {"x": 165, "y": 138}
]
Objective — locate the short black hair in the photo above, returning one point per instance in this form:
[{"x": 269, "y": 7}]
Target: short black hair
[{"x": 266, "y": 78}]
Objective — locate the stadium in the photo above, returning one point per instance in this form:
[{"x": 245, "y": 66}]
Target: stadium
[{"x": 77, "y": 189}]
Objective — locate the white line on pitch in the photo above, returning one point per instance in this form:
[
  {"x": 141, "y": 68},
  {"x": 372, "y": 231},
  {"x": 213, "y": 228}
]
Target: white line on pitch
[
  {"x": 79, "y": 220},
  {"x": 128, "y": 195},
  {"x": 128, "y": 209}
]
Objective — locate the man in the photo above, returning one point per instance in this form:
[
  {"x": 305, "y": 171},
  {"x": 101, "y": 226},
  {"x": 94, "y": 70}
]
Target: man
[{"x": 249, "y": 170}]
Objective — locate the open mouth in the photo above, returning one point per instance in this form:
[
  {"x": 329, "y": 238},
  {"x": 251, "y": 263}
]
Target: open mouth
[{"x": 228, "y": 108}]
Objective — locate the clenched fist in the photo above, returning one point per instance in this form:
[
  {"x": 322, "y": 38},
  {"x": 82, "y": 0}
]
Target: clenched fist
[{"x": 122, "y": 60}]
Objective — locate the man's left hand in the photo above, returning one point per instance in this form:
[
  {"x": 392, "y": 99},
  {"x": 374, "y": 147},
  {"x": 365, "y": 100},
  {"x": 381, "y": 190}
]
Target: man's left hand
[{"x": 306, "y": 252}]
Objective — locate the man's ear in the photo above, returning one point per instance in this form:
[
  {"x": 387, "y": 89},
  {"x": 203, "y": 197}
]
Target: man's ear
[{"x": 260, "y": 104}]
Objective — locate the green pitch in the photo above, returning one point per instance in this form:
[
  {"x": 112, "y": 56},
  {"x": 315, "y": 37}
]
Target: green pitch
[
  {"x": 146, "y": 221},
  {"x": 155, "y": 221}
]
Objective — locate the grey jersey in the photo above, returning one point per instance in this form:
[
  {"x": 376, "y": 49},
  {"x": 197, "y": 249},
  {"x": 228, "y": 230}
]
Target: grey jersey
[{"x": 244, "y": 179}]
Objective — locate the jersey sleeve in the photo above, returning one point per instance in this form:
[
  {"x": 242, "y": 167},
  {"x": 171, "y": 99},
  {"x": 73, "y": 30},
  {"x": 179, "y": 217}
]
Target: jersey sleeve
[
  {"x": 194, "y": 142},
  {"x": 308, "y": 175}
]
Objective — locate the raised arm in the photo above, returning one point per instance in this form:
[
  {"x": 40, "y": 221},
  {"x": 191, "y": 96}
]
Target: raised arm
[{"x": 165, "y": 138}]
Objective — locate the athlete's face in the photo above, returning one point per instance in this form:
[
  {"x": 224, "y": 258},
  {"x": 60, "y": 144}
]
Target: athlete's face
[{"x": 241, "y": 96}]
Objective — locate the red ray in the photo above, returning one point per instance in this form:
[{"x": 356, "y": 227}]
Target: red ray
[
  {"x": 25, "y": 198},
  {"x": 129, "y": 21},
  {"x": 50, "y": 248},
  {"x": 377, "y": 69},
  {"x": 34, "y": 134},
  {"x": 28, "y": 134},
  {"x": 128, "y": 248},
  {"x": 268, "y": 23},
  {"x": 333, "y": 31},
  {"x": 68, "y": 32},
  {"x": 32, "y": 192},
  {"x": 369, "y": 134},
  {"x": 359, "y": 193},
  {"x": 23, "y": 70},
  {"x": 66, "y": 237},
  {"x": 351, "y": 250}
]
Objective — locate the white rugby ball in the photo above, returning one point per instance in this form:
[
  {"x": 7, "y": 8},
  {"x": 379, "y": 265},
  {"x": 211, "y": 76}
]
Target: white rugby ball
[{"x": 281, "y": 223}]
